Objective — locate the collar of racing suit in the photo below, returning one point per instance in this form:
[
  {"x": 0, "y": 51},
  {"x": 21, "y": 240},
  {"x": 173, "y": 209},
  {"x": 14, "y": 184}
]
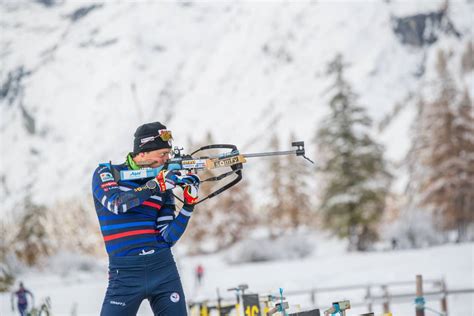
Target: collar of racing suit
[{"x": 131, "y": 163}]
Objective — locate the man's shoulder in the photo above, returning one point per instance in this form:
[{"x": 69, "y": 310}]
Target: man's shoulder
[
  {"x": 107, "y": 171},
  {"x": 107, "y": 166}
]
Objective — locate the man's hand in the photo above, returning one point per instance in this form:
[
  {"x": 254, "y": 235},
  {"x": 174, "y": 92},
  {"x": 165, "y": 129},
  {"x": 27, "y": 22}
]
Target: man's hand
[
  {"x": 190, "y": 194},
  {"x": 167, "y": 180},
  {"x": 190, "y": 179}
]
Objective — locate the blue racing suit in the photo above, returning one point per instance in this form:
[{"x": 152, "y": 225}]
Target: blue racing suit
[
  {"x": 139, "y": 226},
  {"x": 22, "y": 301}
]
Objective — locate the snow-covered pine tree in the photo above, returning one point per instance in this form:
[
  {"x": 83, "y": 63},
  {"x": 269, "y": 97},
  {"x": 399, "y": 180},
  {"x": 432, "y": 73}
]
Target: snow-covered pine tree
[
  {"x": 415, "y": 228},
  {"x": 7, "y": 277},
  {"x": 467, "y": 59},
  {"x": 35, "y": 237},
  {"x": 221, "y": 221},
  {"x": 295, "y": 195},
  {"x": 464, "y": 136},
  {"x": 76, "y": 228},
  {"x": 275, "y": 212},
  {"x": 236, "y": 217},
  {"x": 447, "y": 186},
  {"x": 202, "y": 221},
  {"x": 355, "y": 178}
]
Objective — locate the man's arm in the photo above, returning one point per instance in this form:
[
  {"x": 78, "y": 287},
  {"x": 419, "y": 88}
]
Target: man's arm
[
  {"x": 108, "y": 193},
  {"x": 170, "y": 227}
]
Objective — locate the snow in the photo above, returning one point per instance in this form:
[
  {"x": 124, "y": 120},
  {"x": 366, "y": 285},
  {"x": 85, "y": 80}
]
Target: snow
[{"x": 70, "y": 284}]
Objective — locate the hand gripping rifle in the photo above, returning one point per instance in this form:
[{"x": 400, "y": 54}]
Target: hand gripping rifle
[{"x": 190, "y": 164}]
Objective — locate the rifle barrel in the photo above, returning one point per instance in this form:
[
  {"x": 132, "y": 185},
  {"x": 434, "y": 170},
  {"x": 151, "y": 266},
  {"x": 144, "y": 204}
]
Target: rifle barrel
[{"x": 271, "y": 153}]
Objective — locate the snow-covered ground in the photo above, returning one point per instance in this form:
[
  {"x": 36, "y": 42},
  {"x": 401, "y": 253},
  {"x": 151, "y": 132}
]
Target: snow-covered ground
[{"x": 328, "y": 266}]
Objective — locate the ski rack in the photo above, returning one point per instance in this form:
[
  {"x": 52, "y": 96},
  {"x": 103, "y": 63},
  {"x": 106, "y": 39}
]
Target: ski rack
[{"x": 338, "y": 308}]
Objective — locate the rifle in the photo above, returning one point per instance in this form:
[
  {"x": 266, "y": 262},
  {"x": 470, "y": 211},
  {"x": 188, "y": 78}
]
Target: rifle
[{"x": 189, "y": 164}]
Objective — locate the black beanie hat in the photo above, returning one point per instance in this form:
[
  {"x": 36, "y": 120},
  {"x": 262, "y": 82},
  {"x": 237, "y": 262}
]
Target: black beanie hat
[{"x": 147, "y": 138}]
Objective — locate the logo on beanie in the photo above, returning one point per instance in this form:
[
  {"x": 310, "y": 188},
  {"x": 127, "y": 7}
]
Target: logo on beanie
[
  {"x": 147, "y": 139},
  {"x": 174, "y": 297}
]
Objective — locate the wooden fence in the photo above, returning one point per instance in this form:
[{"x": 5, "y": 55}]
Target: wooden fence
[{"x": 388, "y": 294}]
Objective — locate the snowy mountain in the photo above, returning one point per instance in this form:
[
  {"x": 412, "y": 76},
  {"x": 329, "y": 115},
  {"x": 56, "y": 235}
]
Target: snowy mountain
[{"x": 78, "y": 77}]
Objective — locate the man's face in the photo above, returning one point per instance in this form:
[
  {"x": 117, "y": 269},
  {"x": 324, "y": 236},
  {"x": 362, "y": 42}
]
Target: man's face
[{"x": 156, "y": 157}]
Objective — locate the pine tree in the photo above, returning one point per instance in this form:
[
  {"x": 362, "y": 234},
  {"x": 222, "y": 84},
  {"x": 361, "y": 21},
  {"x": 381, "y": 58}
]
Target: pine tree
[
  {"x": 75, "y": 227},
  {"x": 275, "y": 218},
  {"x": 202, "y": 221},
  {"x": 7, "y": 277},
  {"x": 223, "y": 220},
  {"x": 296, "y": 199},
  {"x": 415, "y": 227},
  {"x": 467, "y": 59},
  {"x": 464, "y": 139},
  {"x": 355, "y": 177},
  {"x": 34, "y": 238},
  {"x": 447, "y": 186},
  {"x": 235, "y": 215}
]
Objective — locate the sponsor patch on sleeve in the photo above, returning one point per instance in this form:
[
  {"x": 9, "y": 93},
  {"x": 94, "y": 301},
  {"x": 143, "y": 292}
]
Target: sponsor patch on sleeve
[
  {"x": 108, "y": 184},
  {"x": 106, "y": 176}
]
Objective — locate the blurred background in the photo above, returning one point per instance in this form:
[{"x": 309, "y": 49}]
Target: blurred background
[{"x": 379, "y": 91}]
